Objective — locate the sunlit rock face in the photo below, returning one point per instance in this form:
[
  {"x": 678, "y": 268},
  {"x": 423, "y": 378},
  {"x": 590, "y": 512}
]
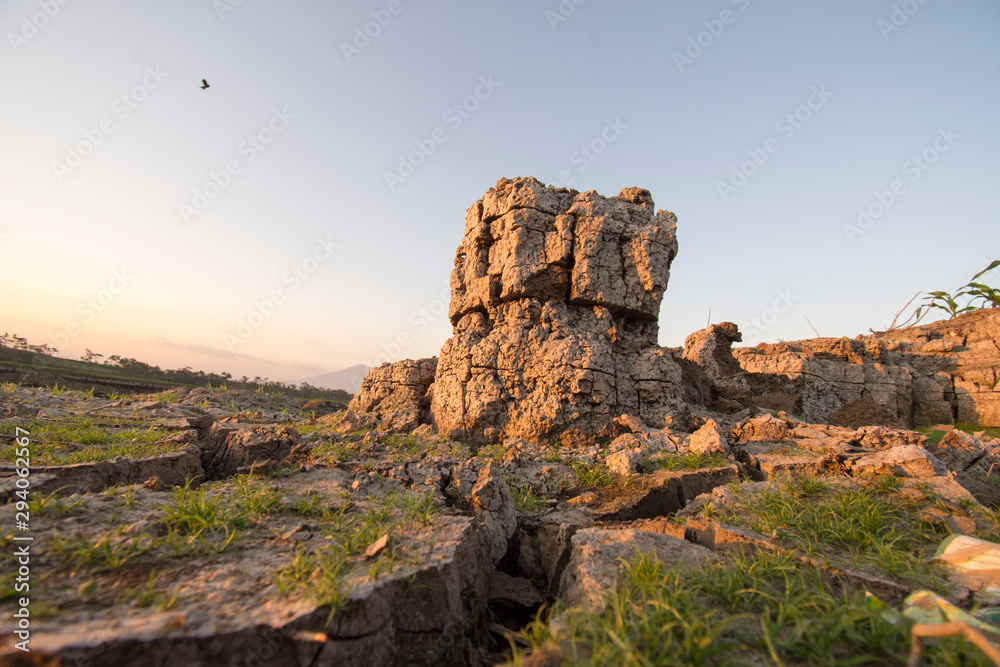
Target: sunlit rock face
[{"x": 555, "y": 297}]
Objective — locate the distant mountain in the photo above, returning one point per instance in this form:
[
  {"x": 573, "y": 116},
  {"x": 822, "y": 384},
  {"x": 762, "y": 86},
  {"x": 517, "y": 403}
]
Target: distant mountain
[{"x": 348, "y": 379}]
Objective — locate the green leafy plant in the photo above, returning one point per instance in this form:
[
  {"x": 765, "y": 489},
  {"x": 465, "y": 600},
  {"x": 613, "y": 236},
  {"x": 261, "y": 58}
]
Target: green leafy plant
[{"x": 971, "y": 296}]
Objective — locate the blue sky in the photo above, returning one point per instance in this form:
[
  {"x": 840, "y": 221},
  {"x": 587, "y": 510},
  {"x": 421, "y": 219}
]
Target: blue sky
[{"x": 301, "y": 215}]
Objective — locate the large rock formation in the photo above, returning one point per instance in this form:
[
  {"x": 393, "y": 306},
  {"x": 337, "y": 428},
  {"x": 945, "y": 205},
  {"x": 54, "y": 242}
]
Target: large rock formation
[
  {"x": 939, "y": 373},
  {"x": 555, "y": 297}
]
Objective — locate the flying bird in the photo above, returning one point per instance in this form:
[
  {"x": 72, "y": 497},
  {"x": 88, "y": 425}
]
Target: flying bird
[{"x": 204, "y": 84}]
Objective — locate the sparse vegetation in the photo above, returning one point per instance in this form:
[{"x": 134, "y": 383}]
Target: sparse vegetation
[
  {"x": 405, "y": 444},
  {"x": 349, "y": 530},
  {"x": 935, "y": 436},
  {"x": 691, "y": 461},
  {"x": 111, "y": 549},
  {"x": 79, "y": 439},
  {"x": 592, "y": 475},
  {"x": 763, "y": 608},
  {"x": 202, "y": 517},
  {"x": 52, "y": 505},
  {"x": 871, "y": 526},
  {"x": 526, "y": 499}
]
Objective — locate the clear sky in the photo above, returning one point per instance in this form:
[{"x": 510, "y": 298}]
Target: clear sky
[{"x": 302, "y": 213}]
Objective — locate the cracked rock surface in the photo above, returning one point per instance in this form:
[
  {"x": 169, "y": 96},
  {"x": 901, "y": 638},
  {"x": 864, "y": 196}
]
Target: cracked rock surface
[{"x": 554, "y": 307}]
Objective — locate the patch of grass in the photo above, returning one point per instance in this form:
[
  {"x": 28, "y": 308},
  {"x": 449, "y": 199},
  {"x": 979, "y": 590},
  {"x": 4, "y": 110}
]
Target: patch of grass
[
  {"x": 763, "y": 608},
  {"x": 9, "y": 387},
  {"x": 255, "y": 498},
  {"x": 406, "y": 445},
  {"x": 306, "y": 429},
  {"x": 934, "y": 437},
  {"x": 361, "y": 430},
  {"x": 127, "y": 496},
  {"x": 279, "y": 470},
  {"x": 148, "y": 595},
  {"x": 526, "y": 500},
  {"x": 592, "y": 475},
  {"x": 168, "y": 397},
  {"x": 52, "y": 505},
  {"x": 331, "y": 452},
  {"x": 110, "y": 550},
  {"x": 493, "y": 453},
  {"x": 349, "y": 530},
  {"x": 992, "y": 516},
  {"x": 871, "y": 527},
  {"x": 691, "y": 461},
  {"x": 312, "y": 504},
  {"x": 200, "y": 517},
  {"x": 420, "y": 507},
  {"x": 82, "y": 440},
  {"x": 320, "y": 571}
]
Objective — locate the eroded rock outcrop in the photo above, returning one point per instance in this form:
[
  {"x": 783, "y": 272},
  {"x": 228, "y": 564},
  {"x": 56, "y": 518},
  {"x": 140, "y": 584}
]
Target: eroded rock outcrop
[
  {"x": 939, "y": 373},
  {"x": 554, "y": 306},
  {"x": 711, "y": 349},
  {"x": 397, "y": 393}
]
